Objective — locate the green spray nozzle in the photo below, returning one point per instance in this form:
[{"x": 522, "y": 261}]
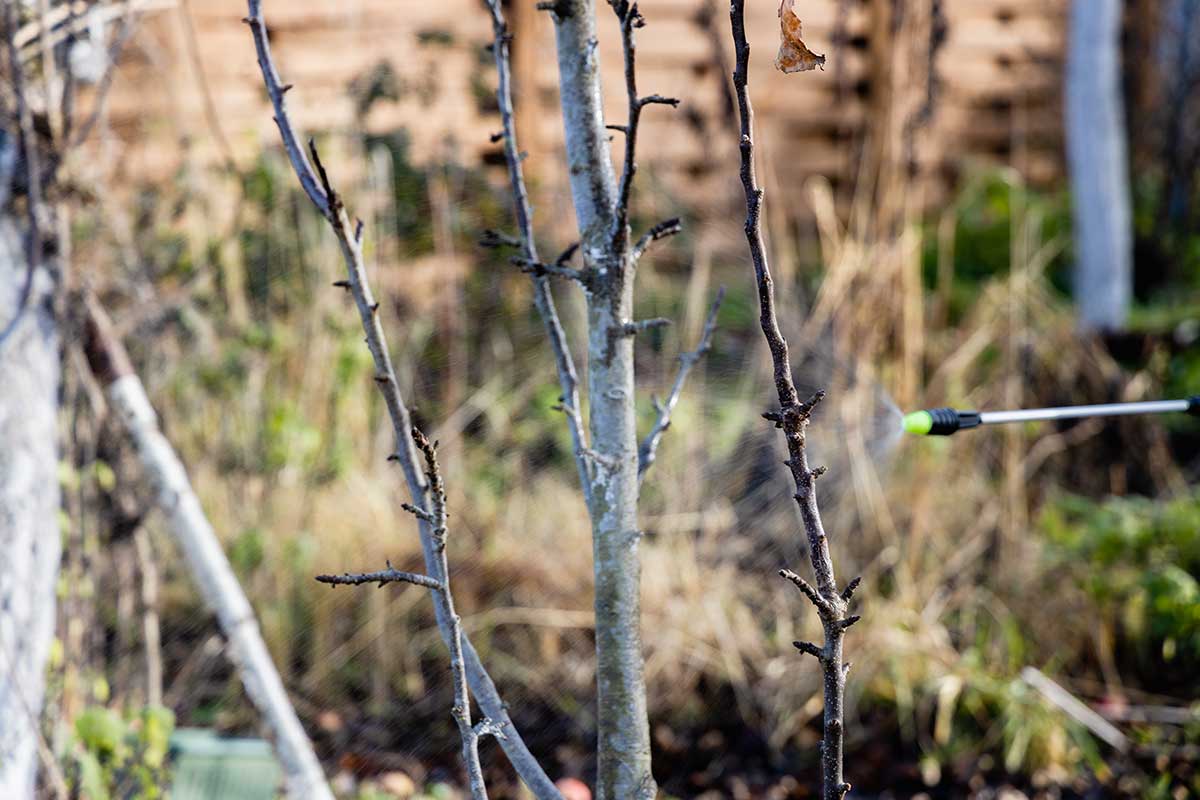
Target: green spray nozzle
[
  {"x": 945, "y": 421},
  {"x": 940, "y": 421}
]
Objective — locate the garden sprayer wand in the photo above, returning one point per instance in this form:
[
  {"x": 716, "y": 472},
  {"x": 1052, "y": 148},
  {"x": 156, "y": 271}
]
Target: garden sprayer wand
[{"x": 945, "y": 421}]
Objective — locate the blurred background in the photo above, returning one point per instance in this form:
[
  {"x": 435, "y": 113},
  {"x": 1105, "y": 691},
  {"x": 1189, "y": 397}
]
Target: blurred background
[{"x": 919, "y": 221}]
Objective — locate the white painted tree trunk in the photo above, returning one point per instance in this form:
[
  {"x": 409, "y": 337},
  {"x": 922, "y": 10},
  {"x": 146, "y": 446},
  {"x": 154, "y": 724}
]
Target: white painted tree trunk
[
  {"x": 30, "y": 539},
  {"x": 1098, "y": 160},
  {"x": 219, "y": 587},
  {"x": 623, "y": 746}
]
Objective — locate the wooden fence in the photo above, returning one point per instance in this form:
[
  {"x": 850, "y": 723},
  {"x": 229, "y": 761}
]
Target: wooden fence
[{"x": 927, "y": 86}]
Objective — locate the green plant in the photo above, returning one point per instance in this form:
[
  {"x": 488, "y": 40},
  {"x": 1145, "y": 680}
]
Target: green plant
[
  {"x": 1140, "y": 560},
  {"x": 113, "y": 755}
]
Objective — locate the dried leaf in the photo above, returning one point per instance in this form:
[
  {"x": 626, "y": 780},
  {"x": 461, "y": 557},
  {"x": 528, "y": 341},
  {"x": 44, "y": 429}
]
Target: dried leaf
[{"x": 793, "y": 56}]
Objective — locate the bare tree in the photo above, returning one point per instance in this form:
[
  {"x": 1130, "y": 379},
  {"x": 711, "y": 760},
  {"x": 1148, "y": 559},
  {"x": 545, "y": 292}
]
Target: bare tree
[
  {"x": 607, "y": 277},
  {"x": 316, "y": 184},
  {"x": 792, "y": 417},
  {"x": 1099, "y": 166},
  {"x": 609, "y": 459}
]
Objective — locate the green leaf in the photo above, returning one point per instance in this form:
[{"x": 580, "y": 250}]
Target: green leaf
[{"x": 101, "y": 731}]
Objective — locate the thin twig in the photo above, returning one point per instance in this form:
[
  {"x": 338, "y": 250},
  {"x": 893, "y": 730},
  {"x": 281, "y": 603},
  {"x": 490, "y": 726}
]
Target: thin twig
[
  {"x": 648, "y": 451},
  {"x": 630, "y": 19},
  {"x": 462, "y": 700},
  {"x": 436, "y": 517},
  {"x": 383, "y": 577},
  {"x": 276, "y": 90},
  {"x": 643, "y": 325},
  {"x": 668, "y": 227},
  {"x": 793, "y": 417},
  {"x": 350, "y": 241},
  {"x": 540, "y": 270},
  {"x": 543, "y": 300}
]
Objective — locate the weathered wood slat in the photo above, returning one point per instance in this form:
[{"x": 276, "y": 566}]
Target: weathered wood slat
[{"x": 998, "y": 55}]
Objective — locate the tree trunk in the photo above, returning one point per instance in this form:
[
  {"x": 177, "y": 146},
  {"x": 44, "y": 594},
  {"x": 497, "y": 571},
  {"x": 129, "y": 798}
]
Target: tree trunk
[
  {"x": 30, "y": 539},
  {"x": 623, "y": 747},
  {"x": 1098, "y": 162}
]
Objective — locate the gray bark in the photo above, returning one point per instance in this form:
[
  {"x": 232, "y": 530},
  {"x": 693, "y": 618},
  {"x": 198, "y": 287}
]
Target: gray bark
[
  {"x": 30, "y": 540},
  {"x": 623, "y": 747},
  {"x": 1098, "y": 160}
]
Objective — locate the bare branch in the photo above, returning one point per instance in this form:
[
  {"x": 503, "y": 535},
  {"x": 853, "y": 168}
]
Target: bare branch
[
  {"x": 823, "y": 605},
  {"x": 793, "y": 417},
  {"x": 419, "y": 513},
  {"x": 630, "y": 19},
  {"x": 485, "y": 727},
  {"x": 543, "y": 300},
  {"x": 567, "y": 254},
  {"x": 648, "y": 451},
  {"x": 383, "y": 577},
  {"x": 350, "y": 242},
  {"x": 276, "y": 91},
  {"x": 658, "y": 99},
  {"x": 668, "y": 227},
  {"x": 811, "y": 649},
  {"x": 462, "y": 700},
  {"x": 437, "y": 491},
  {"x": 436, "y": 518},
  {"x": 634, "y": 328},
  {"x": 539, "y": 270},
  {"x": 848, "y": 592},
  {"x": 492, "y": 239}
]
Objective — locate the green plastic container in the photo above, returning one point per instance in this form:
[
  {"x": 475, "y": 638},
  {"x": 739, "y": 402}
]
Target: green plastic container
[{"x": 207, "y": 766}]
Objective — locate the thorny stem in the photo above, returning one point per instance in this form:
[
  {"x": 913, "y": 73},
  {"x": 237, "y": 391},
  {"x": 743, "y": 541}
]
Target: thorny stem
[
  {"x": 321, "y": 193},
  {"x": 543, "y": 300},
  {"x": 792, "y": 417}
]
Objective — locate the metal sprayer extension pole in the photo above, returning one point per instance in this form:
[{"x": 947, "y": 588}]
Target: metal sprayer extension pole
[{"x": 945, "y": 421}]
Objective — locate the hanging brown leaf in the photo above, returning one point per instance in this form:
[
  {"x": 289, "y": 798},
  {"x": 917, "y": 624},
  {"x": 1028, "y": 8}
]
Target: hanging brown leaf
[{"x": 793, "y": 56}]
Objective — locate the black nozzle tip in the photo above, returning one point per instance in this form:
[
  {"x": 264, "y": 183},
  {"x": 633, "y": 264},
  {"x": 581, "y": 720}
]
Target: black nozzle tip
[{"x": 948, "y": 420}]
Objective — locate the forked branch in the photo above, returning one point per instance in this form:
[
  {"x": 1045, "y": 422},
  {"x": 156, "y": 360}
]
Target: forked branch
[
  {"x": 793, "y": 417},
  {"x": 543, "y": 300},
  {"x": 436, "y": 517},
  {"x": 319, "y": 189}
]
